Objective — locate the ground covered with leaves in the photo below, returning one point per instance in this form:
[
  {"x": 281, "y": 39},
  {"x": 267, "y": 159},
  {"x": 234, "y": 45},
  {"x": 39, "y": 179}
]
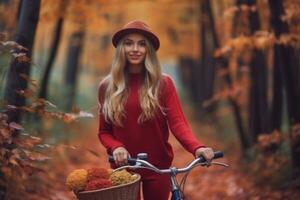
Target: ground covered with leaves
[{"x": 239, "y": 181}]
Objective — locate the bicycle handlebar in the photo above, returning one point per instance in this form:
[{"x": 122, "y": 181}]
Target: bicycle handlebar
[{"x": 141, "y": 163}]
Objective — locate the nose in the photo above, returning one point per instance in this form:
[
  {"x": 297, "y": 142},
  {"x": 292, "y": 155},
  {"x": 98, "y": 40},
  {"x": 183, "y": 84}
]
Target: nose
[{"x": 135, "y": 47}]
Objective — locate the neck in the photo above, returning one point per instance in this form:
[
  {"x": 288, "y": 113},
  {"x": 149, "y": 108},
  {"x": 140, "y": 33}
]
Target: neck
[{"x": 135, "y": 69}]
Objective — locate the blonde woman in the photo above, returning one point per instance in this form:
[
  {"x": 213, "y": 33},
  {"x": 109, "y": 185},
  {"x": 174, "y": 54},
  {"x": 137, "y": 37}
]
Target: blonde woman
[{"x": 138, "y": 107}]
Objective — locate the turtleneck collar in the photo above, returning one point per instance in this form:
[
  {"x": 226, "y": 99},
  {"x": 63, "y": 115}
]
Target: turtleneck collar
[{"x": 135, "y": 75}]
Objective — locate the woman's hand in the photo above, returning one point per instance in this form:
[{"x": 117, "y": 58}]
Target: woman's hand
[
  {"x": 120, "y": 155},
  {"x": 206, "y": 152}
]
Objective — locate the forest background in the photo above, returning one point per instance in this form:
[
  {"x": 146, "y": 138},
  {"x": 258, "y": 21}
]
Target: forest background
[{"x": 236, "y": 65}]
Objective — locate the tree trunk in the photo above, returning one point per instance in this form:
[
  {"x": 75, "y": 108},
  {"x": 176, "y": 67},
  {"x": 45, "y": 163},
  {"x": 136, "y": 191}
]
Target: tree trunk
[
  {"x": 2, "y": 21},
  {"x": 259, "y": 118},
  {"x": 258, "y": 106},
  {"x": 277, "y": 100},
  {"x": 288, "y": 63},
  {"x": 2, "y": 185},
  {"x": 74, "y": 51},
  {"x": 244, "y": 138},
  {"x": 27, "y": 22},
  {"x": 4, "y": 1},
  {"x": 19, "y": 10},
  {"x": 207, "y": 65},
  {"x": 223, "y": 63},
  {"x": 54, "y": 47},
  {"x": 45, "y": 80},
  {"x": 25, "y": 36},
  {"x": 187, "y": 72}
]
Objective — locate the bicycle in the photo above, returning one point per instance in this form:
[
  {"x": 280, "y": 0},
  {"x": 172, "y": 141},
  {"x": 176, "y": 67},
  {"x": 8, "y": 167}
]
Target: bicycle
[{"x": 177, "y": 190}]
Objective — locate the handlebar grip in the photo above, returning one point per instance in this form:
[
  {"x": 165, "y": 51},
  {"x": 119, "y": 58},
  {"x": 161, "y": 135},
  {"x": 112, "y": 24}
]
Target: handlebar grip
[
  {"x": 218, "y": 154},
  {"x": 111, "y": 159},
  {"x": 131, "y": 161}
]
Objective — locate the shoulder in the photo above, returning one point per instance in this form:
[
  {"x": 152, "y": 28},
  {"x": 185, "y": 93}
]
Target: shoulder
[
  {"x": 167, "y": 80},
  {"x": 103, "y": 84},
  {"x": 102, "y": 87},
  {"x": 167, "y": 83}
]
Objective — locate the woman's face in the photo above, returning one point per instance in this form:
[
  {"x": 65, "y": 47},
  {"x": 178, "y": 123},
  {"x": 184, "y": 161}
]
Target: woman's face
[{"x": 135, "y": 48}]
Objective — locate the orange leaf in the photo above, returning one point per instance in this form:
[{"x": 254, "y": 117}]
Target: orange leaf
[
  {"x": 68, "y": 118},
  {"x": 5, "y": 133},
  {"x": 22, "y": 58},
  {"x": 25, "y": 93},
  {"x": 13, "y": 161}
]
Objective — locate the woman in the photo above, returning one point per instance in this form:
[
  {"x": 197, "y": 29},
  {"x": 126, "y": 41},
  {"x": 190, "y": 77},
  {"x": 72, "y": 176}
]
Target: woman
[{"x": 138, "y": 106}]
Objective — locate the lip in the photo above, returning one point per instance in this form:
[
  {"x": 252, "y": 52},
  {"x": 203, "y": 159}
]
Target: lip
[{"x": 135, "y": 57}]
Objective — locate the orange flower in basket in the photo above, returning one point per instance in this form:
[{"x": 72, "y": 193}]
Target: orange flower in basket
[
  {"x": 97, "y": 173},
  {"x": 77, "y": 180},
  {"x": 122, "y": 177},
  {"x": 98, "y": 184}
]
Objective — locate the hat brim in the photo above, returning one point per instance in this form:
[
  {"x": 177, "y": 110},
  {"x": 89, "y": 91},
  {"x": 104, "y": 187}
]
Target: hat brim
[{"x": 121, "y": 33}]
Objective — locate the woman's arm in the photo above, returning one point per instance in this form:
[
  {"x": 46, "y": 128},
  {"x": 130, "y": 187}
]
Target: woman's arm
[
  {"x": 105, "y": 135},
  {"x": 105, "y": 128},
  {"x": 176, "y": 119}
]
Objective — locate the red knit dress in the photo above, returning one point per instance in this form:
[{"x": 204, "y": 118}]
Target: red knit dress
[{"x": 151, "y": 136}]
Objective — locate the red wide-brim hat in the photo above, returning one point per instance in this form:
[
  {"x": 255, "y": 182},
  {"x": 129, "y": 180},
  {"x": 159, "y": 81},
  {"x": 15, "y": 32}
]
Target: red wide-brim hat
[{"x": 136, "y": 26}]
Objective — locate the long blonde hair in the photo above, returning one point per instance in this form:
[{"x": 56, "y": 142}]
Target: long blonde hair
[{"x": 117, "y": 87}]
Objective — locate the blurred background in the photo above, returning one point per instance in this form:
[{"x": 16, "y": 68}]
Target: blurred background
[{"x": 236, "y": 65}]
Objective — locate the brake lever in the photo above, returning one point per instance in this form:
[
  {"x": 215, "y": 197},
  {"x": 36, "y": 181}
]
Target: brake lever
[
  {"x": 137, "y": 165},
  {"x": 207, "y": 164},
  {"x": 219, "y": 163}
]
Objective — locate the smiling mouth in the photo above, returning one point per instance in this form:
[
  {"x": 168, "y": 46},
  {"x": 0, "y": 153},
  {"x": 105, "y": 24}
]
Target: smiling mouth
[{"x": 134, "y": 57}]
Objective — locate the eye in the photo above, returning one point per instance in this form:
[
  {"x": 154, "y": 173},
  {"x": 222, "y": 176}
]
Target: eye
[
  {"x": 142, "y": 43},
  {"x": 127, "y": 43}
]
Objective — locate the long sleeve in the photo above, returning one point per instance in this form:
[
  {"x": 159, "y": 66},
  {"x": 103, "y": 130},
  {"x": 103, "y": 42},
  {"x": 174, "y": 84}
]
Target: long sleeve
[
  {"x": 176, "y": 119},
  {"x": 105, "y": 128}
]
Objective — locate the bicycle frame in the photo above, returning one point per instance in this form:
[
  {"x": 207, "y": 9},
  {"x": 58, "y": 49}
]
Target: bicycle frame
[
  {"x": 176, "y": 192},
  {"x": 141, "y": 163}
]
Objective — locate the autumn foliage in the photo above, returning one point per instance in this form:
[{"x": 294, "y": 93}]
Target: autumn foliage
[{"x": 251, "y": 67}]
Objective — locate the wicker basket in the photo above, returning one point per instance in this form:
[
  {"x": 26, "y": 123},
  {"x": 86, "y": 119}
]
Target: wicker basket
[{"x": 127, "y": 191}]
